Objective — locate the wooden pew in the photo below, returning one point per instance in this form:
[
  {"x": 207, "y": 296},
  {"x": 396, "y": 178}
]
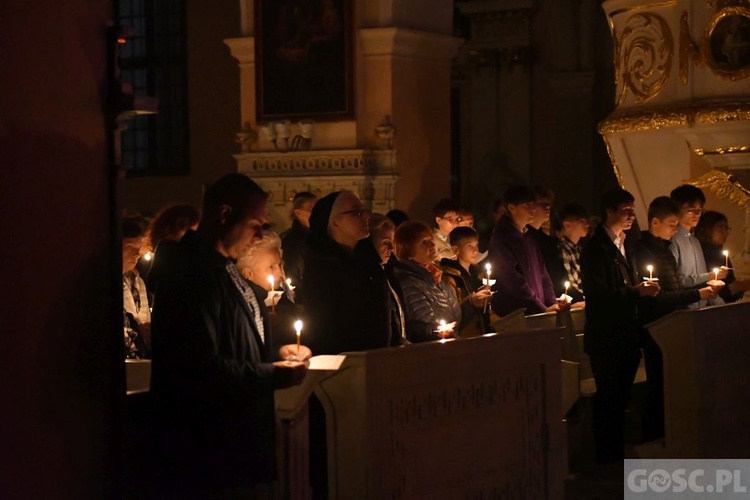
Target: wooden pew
[
  {"x": 706, "y": 381},
  {"x": 473, "y": 418}
]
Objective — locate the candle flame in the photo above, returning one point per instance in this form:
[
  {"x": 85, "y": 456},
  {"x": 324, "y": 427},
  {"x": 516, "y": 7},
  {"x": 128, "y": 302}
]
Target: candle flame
[
  {"x": 567, "y": 285},
  {"x": 442, "y": 322},
  {"x": 289, "y": 282},
  {"x": 270, "y": 279},
  {"x": 488, "y": 267},
  {"x": 649, "y": 268},
  {"x": 726, "y": 253},
  {"x": 298, "y": 325}
]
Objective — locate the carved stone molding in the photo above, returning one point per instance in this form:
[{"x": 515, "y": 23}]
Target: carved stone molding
[
  {"x": 501, "y": 32},
  {"x": 317, "y": 163}
]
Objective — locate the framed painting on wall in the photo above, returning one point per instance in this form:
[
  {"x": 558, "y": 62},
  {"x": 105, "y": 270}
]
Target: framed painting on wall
[
  {"x": 303, "y": 59},
  {"x": 726, "y": 43}
]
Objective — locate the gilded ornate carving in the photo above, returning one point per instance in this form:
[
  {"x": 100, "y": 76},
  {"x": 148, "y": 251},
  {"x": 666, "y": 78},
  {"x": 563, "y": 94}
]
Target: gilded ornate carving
[
  {"x": 689, "y": 51},
  {"x": 725, "y": 43},
  {"x": 615, "y": 166},
  {"x": 676, "y": 117},
  {"x": 644, "y": 56},
  {"x": 722, "y": 151},
  {"x": 724, "y": 186}
]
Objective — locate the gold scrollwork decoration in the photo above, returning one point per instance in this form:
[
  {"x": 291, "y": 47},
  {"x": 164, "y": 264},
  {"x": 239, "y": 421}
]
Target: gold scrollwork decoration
[
  {"x": 724, "y": 186},
  {"x": 726, "y": 43},
  {"x": 644, "y": 53}
]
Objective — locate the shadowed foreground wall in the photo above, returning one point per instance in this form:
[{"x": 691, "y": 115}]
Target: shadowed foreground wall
[{"x": 59, "y": 277}]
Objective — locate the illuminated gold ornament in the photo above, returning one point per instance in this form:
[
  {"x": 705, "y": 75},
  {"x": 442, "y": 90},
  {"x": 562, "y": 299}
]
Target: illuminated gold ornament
[
  {"x": 644, "y": 51},
  {"x": 724, "y": 186}
]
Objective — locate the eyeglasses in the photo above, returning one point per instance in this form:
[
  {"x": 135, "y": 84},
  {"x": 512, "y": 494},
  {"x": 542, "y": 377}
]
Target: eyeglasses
[
  {"x": 453, "y": 220},
  {"x": 695, "y": 211},
  {"x": 359, "y": 211}
]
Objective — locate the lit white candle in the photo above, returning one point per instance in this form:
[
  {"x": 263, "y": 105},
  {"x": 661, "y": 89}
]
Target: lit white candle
[
  {"x": 289, "y": 283},
  {"x": 716, "y": 273},
  {"x": 272, "y": 281},
  {"x": 567, "y": 285},
  {"x": 298, "y": 329},
  {"x": 488, "y": 268},
  {"x": 726, "y": 258},
  {"x": 650, "y": 269}
]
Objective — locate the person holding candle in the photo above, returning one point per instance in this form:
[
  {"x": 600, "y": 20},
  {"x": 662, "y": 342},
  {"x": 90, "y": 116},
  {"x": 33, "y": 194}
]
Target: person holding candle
[
  {"x": 517, "y": 262},
  {"x": 570, "y": 226},
  {"x": 213, "y": 378},
  {"x": 613, "y": 291},
  {"x": 691, "y": 263},
  {"x": 134, "y": 293},
  {"x": 427, "y": 299},
  {"x": 712, "y": 232},
  {"x": 347, "y": 299},
  {"x": 652, "y": 252},
  {"x": 260, "y": 264},
  {"x": 463, "y": 277}
]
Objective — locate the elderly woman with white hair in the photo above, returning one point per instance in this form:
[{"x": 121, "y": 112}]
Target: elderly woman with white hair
[{"x": 259, "y": 265}]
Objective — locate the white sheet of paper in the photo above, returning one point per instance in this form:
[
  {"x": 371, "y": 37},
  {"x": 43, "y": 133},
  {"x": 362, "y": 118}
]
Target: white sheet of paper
[{"x": 329, "y": 362}]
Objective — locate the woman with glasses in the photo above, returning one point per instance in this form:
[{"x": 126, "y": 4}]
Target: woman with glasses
[
  {"x": 712, "y": 232},
  {"x": 347, "y": 299}
]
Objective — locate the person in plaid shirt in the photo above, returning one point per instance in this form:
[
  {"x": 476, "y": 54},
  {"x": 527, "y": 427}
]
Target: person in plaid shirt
[{"x": 572, "y": 226}]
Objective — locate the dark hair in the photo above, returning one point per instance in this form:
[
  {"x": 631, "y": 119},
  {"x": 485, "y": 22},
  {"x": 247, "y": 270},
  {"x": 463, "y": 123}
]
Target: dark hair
[
  {"x": 544, "y": 193},
  {"x": 707, "y": 223},
  {"x": 498, "y": 205},
  {"x": 687, "y": 194},
  {"x": 397, "y": 216},
  {"x": 444, "y": 206},
  {"x": 237, "y": 191},
  {"x": 464, "y": 211},
  {"x": 172, "y": 221},
  {"x": 463, "y": 233},
  {"x": 518, "y": 194},
  {"x": 571, "y": 211},
  {"x": 662, "y": 207},
  {"x": 612, "y": 199},
  {"x": 406, "y": 237},
  {"x": 134, "y": 226},
  {"x": 300, "y": 199}
]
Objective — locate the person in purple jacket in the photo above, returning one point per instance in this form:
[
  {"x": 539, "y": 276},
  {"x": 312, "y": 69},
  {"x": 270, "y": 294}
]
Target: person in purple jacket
[{"x": 517, "y": 262}]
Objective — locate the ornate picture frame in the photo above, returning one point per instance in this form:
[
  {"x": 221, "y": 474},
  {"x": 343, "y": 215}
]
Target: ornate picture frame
[
  {"x": 726, "y": 43},
  {"x": 304, "y": 62}
]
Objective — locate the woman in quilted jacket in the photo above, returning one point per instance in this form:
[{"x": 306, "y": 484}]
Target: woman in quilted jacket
[{"x": 427, "y": 300}]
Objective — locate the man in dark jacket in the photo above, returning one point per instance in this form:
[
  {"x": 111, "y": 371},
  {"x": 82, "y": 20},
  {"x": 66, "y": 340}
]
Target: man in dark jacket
[
  {"x": 212, "y": 379},
  {"x": 613, "y": 290},
  {"x": 653, "y": 250}
]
